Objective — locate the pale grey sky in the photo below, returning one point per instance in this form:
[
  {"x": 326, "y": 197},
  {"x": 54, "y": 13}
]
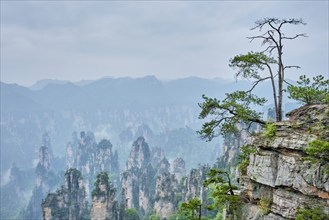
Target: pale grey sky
[{"x": 76, "y": 40}]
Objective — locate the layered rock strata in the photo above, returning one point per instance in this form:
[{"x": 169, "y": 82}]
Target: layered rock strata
[{"x": 279, "y": 172}]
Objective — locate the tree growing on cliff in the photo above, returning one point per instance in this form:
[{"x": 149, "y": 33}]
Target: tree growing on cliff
[
  {"x": 307, "y": 92},
  {"x": 255, "y": 66},
  {"x": 250, "y": 65},
  {"x": 234, "y": 109},
  {"x": 223, "y": 192}
]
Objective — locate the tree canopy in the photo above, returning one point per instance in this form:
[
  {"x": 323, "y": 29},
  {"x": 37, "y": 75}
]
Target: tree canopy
[
  {"x": 237, "y": 108},
  {"x": 252, "y": 65},
  {"x": 226, "y": 114},
  {"x": 306, "y": 92}
]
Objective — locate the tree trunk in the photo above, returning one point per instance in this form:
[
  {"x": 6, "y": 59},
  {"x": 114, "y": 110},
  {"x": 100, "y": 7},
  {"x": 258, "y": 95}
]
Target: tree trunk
[
  {"x": 280, "y": 82},
  {"x": 274, "y": 92}
]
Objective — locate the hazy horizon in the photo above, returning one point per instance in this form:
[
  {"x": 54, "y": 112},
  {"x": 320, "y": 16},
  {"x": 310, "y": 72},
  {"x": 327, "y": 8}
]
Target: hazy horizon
[
  {"x": 118, "y": 77},
  {"x": 89, "y": 40}
]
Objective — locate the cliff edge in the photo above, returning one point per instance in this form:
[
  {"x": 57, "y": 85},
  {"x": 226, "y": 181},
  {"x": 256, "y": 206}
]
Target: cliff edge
[{"x": 283, "y": 176}]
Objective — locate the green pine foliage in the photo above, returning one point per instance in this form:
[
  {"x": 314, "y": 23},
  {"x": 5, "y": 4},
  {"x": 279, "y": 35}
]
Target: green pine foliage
[
  {"x": 318, "y": 152},
  {"x": 318, "y": 148},
  {"x": 307, "y": 92},
  {"x": 249, "y": 65},
  {"x": 264, "y": 204},
  {"x": 246, "y": 150},
  {"x": 131, "y": 214},
  {"x": 191, "y": 209},
  {"x": 152, "y": 215},
  {"x": 102, "y": 178},
  {"x": 311, "y": 214},
  {"x": 225, "y": 115},
  {"x": 270, "y": 129},
  {"x": 222, "y": 191}
]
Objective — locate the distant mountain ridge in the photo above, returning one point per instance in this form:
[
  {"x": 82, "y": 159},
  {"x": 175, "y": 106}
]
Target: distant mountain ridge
[
  {"x": 107, "y": 106},
  {"x": 114, "y": 92}
]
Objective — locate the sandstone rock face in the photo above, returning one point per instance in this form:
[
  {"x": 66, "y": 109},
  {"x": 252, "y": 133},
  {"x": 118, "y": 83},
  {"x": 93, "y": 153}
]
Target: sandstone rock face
[
  {"x": 164, "y": 166},
  {"x": 104, "y": 205},
  {"x": 44, "y": 158},
  {"x": 165, "y": 193},
  {"x": 278, "y": 172},
  {"x": 139, "y": 155},
  {"x": 103, "y": 156},
  {"x": 130, "y": 188},
  {"x": 179, "y": 168},
  {"x": 263, "y": 167},
  {"x": 146, "y": 188},
  {"x": 285, "y": 203},
  {"x": 68, "y": 202},
  {"x": 138, "y": 181},
  {"x": 91, "y": 158},
  {"x": 157, "y": 155},
  {"x": 194, "y": 183},
  {"x": 46, "y": 141}
]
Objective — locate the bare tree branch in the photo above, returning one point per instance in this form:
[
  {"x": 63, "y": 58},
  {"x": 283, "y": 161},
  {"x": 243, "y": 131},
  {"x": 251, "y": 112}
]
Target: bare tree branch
[
  {"x": 287, "y": 67},
  {"x": 255, "y": 37},
  {"x": 288, "y": 83},
  {"x": 297, "y": 35},
  {"x": 256, "y": 83},
  {"x": 269, "y": 49}
]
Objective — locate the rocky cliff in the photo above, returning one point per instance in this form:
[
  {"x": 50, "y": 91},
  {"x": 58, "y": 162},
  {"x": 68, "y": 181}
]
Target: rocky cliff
[
  {"x": 138, "y": 181},
  {"x": 282, "y": 176},
  {"x": 165, "y": 194},
  {"x": 140, "y": 154},
  {"x": 91, "y": 158},
  {"x": 104, "y": 205},
  {"x": 179, "y": 168},
  {"x": 147, "y": 183},
  {"x": 68, "y": 202},
  {"x": 45, "y": 180}
]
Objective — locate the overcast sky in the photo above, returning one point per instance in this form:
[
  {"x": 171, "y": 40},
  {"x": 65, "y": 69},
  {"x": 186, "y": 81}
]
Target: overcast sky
[{"x": 169, "y": 39}]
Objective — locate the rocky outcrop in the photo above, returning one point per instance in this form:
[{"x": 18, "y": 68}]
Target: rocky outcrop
[
  {"x": 157, "y": 154},
  {"x": 130, "y": 188},
  {"x": 179, "y": 168},
  {"x": 43, "y": 166},
  {"x": 86, "y": 148},
  {"x": 193, "y": 185},
  {"x": 231, "y": 150},
  {"x": 163, "y": 166},
  {"x": 44, "y": 182},
  {"x": 71, "y": 151},
  {"x": 279, "y": 173},
  {"x": 165, "y": 195},
  {"x": 139, "y": 155},
  {"x": 68, "y": 202},
  {"x": 286, "y": 202},
  {"x": 103, "y": 157},
  {"x": 104, "y": 205},
  {"x": 146, "y": 188},
  {"x": 91, "y": 158},
  {"x": 46, "y": 141},
  {"x": 138, "y": 181}
]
